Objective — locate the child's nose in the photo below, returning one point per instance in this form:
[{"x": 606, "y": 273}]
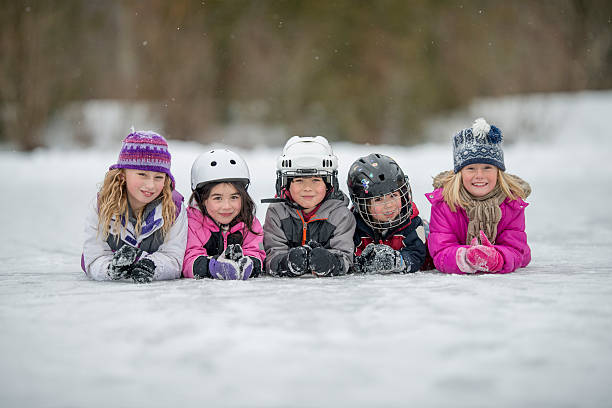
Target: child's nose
[{"x": 149, "y": 182}]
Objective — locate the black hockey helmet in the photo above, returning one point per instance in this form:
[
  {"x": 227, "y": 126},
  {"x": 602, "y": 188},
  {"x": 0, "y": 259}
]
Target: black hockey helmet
[{"x": 377, "y": 175}]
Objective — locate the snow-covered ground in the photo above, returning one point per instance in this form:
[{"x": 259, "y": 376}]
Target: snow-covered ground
[{"x": 541, "y": 336}]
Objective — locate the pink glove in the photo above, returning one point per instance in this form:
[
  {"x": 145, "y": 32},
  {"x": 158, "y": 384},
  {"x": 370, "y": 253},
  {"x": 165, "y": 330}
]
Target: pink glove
[{"x": 484, "y": 257}]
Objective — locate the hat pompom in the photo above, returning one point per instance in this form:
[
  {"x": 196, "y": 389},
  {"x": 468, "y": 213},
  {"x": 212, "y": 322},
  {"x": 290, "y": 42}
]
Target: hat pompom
[
  {"x": 480, "y": 128},
  {"x": 495, "y": 135}
]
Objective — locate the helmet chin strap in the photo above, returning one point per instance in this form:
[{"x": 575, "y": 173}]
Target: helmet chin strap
[{"x": 196, "y": 193}]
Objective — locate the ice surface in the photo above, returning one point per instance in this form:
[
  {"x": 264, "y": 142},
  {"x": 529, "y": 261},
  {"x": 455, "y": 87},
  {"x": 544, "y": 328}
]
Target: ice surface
[{"x": 538, "y": 337}]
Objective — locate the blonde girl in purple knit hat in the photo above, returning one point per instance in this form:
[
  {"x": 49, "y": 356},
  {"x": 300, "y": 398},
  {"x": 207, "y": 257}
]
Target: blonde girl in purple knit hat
[{"x": 137, "y": 228}]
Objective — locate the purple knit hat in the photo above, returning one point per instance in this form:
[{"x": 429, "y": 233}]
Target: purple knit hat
[{"x": 144, "y": 150}]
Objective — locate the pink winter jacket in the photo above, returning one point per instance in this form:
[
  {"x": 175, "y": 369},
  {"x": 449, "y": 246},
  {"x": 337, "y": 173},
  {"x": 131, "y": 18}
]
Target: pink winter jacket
[
  {"x": 447, "y": 232},
  {"x": 201, "y": 227}
]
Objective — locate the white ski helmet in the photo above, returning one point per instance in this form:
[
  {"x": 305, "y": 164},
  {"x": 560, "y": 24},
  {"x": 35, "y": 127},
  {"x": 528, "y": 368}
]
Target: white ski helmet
[
  {"x": 307, "y": 156},
  {"x": 219, "y": 165}
]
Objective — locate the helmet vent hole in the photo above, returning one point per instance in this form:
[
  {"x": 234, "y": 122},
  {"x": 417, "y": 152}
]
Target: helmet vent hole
[
  {"x": 381, "y": 177},
  {"x": 213, "y": 163},
  {"x": 233, "y": 161}
]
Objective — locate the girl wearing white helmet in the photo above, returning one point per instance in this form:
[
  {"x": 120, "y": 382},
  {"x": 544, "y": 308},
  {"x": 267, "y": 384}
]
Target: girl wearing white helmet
[
  {"x": 224, "y": 239},
  {"x": 309, "y": 228}
]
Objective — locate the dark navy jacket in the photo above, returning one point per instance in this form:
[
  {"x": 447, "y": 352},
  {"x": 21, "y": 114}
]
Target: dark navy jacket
[{"x": 408, "y": 238}]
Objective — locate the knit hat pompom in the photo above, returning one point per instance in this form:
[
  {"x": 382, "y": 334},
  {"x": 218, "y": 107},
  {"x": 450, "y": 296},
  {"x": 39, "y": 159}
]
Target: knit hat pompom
[
  {"x": 495, "y": 135},
  {"x": 481, "y": 128},
  {"x": 145, "y": 150},
  {"x": 479, "y": 144}
]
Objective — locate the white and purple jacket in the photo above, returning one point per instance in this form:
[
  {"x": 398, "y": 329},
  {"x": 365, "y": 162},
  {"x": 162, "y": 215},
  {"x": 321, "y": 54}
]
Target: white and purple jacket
[{"x": 166, "y": 252}]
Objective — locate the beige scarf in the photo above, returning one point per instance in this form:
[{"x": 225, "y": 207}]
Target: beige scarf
[{"x": 483, "y": 212}]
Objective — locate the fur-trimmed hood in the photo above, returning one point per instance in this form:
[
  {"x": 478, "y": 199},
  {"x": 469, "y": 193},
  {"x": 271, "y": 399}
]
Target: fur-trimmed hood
[{"x": 438, "y": 181}]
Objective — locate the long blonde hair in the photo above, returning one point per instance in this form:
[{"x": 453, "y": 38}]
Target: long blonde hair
[
  {"x": 113, "y": 202},
  {"x": 452, "y": 184}
]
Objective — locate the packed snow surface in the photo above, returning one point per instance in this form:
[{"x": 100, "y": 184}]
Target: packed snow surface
[{"x": 541, "y": 336}]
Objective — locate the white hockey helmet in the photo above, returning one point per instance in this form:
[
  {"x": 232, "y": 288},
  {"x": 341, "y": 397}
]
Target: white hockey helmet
[
  {"x": 307, "y": 156},
  {"x": 219, "y": 165}
]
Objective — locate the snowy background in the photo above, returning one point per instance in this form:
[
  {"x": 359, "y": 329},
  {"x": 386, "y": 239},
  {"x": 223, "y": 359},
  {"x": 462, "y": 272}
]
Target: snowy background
[{"x": 541, "y": 336}]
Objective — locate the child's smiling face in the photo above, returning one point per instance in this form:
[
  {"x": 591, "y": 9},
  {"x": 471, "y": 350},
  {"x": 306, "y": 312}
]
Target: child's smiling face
[
  {"x": 143, "y": 186},
  {"x": 385, "y": 208},
  {"x": 223, "y": 203},
  {"x": 308, "y": 192},
  {"x": 479, "y": 179}
]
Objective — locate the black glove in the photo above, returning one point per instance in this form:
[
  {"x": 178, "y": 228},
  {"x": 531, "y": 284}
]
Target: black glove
[
  {"x": 121, "y": 265},
  {"x": 324, "y": 263},
  {"x": 233, "y": 252},
  {"x": 314, "y": 244},
  {"x": 362, "y": 262},
  {"x": 200, "y": 267},
  {"x": 297, "y": 260},
  {"x": 379, "y": 258},
  {"x": 143, "y": 271}
]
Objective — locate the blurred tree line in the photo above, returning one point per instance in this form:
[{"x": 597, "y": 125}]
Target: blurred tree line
[{"x": 349, "y": 69}]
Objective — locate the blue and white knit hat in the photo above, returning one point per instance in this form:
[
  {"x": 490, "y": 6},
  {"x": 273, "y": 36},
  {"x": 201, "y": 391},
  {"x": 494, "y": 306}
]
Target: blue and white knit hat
[
  {"x": 479, "y": 144},
  {"x": 144, "y": 150}
]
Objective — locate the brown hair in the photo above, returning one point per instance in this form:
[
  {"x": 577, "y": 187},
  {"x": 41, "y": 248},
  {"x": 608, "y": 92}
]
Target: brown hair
[{"x": 247, "y": 209}]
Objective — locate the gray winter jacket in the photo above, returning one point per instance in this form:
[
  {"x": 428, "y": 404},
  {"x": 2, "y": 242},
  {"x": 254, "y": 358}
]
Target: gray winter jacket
[{"x": 332, "y": 226}]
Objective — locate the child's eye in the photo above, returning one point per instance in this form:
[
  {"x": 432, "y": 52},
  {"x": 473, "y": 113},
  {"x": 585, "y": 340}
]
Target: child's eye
[{"x": 235, "y": 197}]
